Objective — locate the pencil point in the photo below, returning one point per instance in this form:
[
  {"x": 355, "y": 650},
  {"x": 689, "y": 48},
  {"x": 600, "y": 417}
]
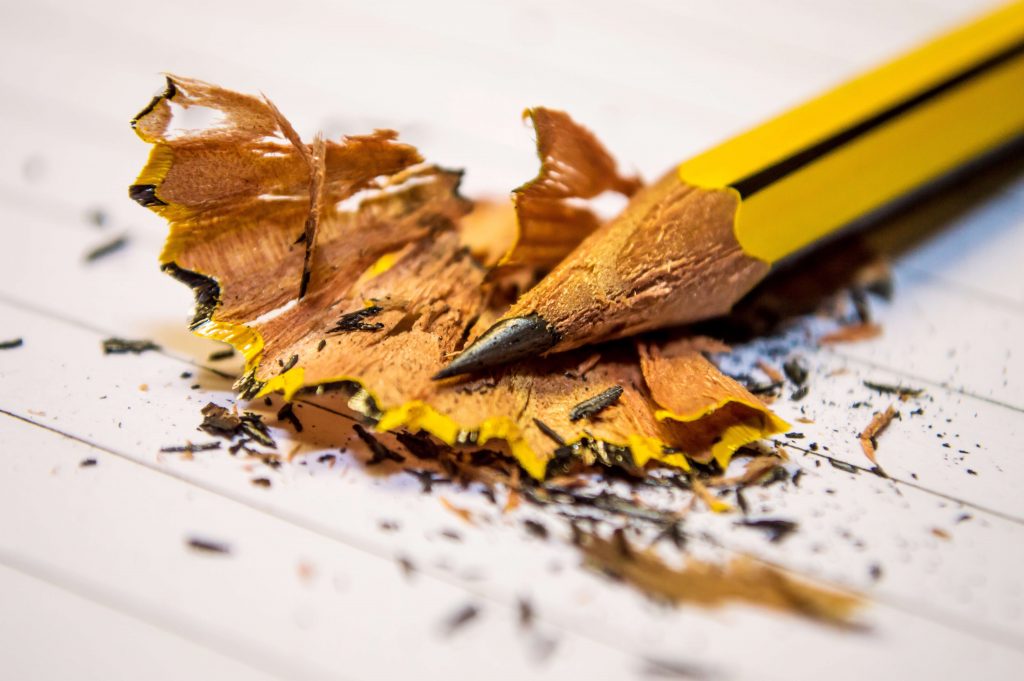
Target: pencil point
[{"x": 507, "y": 341}]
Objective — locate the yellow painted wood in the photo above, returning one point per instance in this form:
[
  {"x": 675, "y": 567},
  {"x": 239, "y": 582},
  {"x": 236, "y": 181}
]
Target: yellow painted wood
[{"x": 865, "y": 173}]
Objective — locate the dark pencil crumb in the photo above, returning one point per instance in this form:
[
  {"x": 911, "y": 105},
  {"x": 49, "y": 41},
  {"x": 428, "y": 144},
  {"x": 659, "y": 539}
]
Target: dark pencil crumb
[
  {"x": 321, "y": 345},
  {"x": 799, "y": 474},
  {"x": 186, "y": 374},
  {"x": 795, "y": 436},
  {"x": 419, "y": 445},
  {"x": 536, "y": 529},
  {"x": 189, "y": 448},
  {"x": 87, "y": 462},
  {"x": 221, "y": 354},
  {"x": 762, "y": 388},
  {"x": 843, "y": 466},
  {"x": 253, "y": 426},
  {"x": 461, "y": 618},
  {"x": 287, "y": 366},
  {"x": 592, "y": 406},
  {"x": 426, "y": 479},
  {"x": 356, "y": 321},
  {"x": 261, "y": 482},
  {"x": 881, "y": 285},
  {"x": 120, "y": 346},
  {"x": 388, "y": 525},
  {"x": 741, "y": 501},
  {"x": 526, "y": 613},
  {"x": 218, "y": 420},
  {"x": 800, "y": 393},
  {"x": 860, "y": 305},
  {"x": 380, "y": 451},
  {"x": 894, "y": 389},
  {"x": 550, "y": 432},
  {"x": 875, "y": 571},
  {"x": 287, "y": 413},
  {"x": 195, "y": 386},
  {"x": 207, "y": 546},
  {"x": 407, "y": 566},
  {"x": 795, "y": 370},
  {"x": 777, "y": 529},
  {"x": 106, "y": 249},
  {"x": 11, "y": 344},
  {"x": 971, "y": 472}
]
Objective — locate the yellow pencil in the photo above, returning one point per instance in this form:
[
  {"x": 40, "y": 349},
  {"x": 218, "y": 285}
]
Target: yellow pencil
[{"x": 690, "y": 245}]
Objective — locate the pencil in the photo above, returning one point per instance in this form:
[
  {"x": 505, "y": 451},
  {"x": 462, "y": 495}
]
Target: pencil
[{"x": 692, "y": 244}]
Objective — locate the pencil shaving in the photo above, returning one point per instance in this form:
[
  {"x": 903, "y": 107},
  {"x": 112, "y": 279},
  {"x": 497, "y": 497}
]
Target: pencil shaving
[
  {"x": 852, "y": 333},
  {"x": 742, "y": 580},
  {"x": 392, "y": 292},
  {"x": 574, "y": 165},
  {"x": 869, "y": 436}
]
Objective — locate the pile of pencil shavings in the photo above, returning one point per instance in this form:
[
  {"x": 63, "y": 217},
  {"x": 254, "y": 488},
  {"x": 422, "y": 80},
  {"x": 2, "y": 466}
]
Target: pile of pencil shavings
[{"x": 352, "y": 266}]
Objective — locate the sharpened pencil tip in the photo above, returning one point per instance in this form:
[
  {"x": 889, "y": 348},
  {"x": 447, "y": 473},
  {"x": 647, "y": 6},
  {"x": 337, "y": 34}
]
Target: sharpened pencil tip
[{"x": 507, "y": 341}]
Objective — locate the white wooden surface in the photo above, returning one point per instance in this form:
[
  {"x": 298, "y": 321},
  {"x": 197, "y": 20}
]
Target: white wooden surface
[{"x": 95, "y": 575}]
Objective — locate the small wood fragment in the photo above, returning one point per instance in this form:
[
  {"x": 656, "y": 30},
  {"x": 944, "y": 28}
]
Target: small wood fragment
[
  {"x": 771, "y": 372},
  {"x": 852, "y": 333},
  {"x": 465, "y": 515},
  {"x": 869, "y": 436}
]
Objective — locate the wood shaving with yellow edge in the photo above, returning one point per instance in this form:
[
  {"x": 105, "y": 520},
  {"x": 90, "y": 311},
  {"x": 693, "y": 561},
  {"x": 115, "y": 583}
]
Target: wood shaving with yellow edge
[{"x": 393, "y": 288}]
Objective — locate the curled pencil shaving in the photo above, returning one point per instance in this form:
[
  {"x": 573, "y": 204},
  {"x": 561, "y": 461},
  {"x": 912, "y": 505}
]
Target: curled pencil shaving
[
  {"x": 392, "y": 291},
  {"x": 742, "y": 580},
  {"x": 575, "y": 166},
  {"x": 869, "y": 436}
]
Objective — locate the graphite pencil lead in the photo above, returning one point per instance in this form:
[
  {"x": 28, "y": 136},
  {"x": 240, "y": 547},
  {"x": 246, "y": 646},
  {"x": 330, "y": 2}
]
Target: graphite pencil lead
[{"x": 507, "y": 341}]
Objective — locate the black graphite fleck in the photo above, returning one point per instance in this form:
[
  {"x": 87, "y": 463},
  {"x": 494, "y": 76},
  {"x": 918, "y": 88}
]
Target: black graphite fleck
[
  {"x": 776, "y": 529},
  {"x": 592, "y": 406},
  {"x": 380, "y": 451},
  {"x": 795, "y": 370},
  {"x": 419, "y": 445},
  {"x": 221, "y": 354},
  {"x": 843, "y": 466},
  {"x": 902, "y": 391},
  {"x": 208, "y": 546},
  {"x": 356, "y": 321},
  {"x": 189, "y": 448},
  {"x": 536, "y": 529},
  {"x": 105, "y": 249},
  {"x": 122, "y": 346},
  {"x": 550, "y": 432},
  {"x": 287, "y": 413},
  {"x": 461, "y": 618}
]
